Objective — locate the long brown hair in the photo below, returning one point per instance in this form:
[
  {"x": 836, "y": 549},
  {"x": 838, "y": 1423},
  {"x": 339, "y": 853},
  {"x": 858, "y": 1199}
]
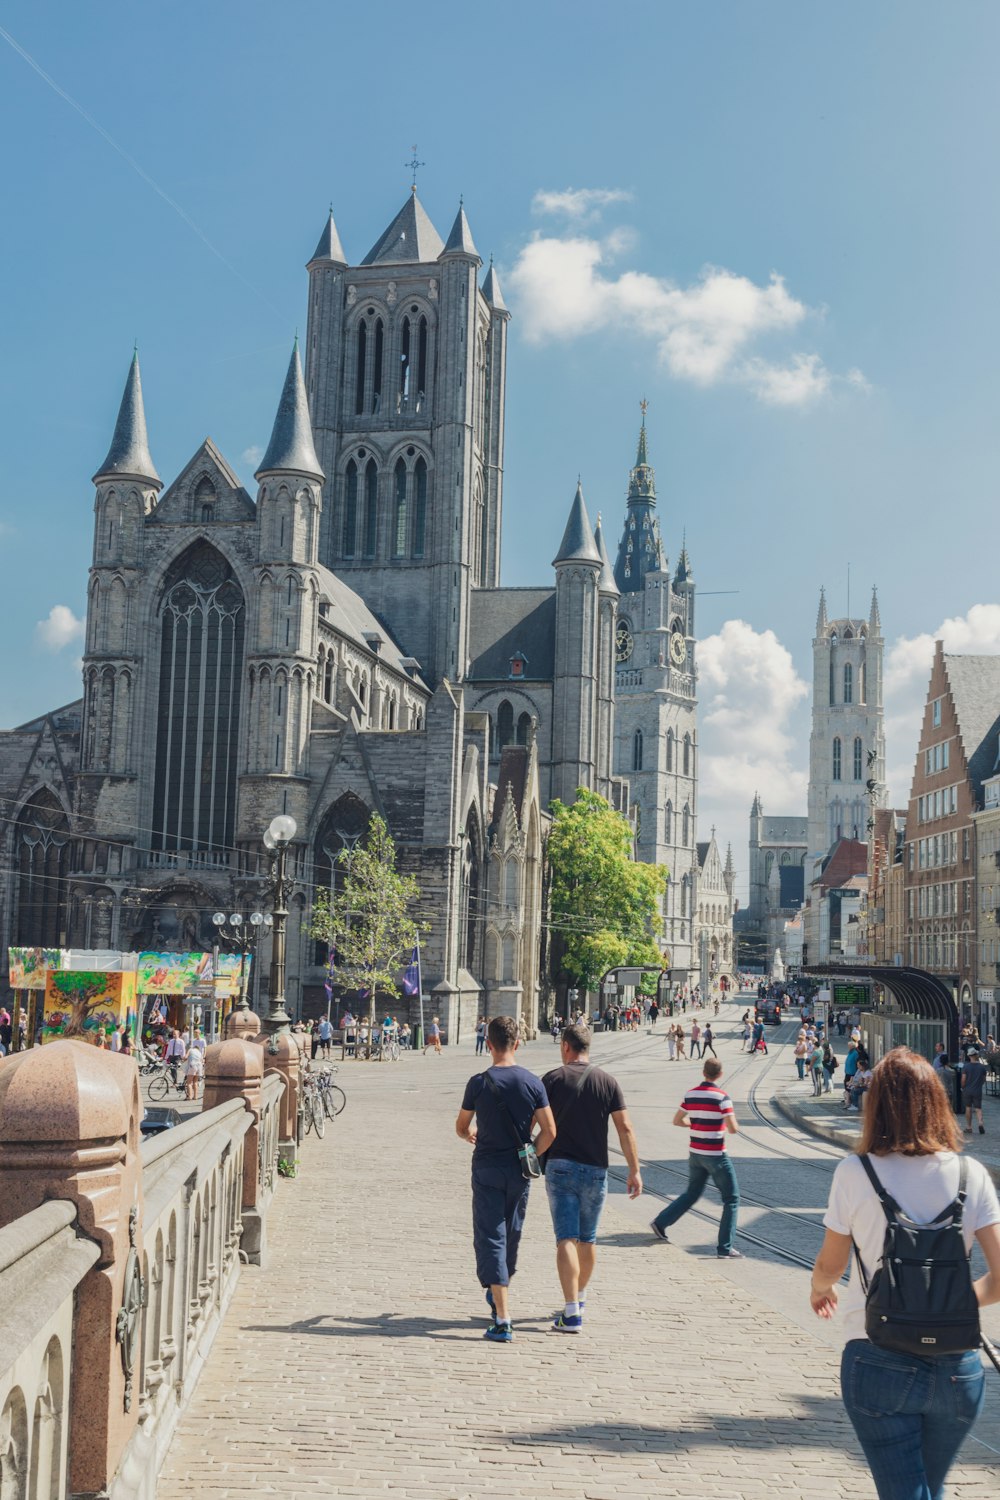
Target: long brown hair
[{"x": 907, "y": 1109}]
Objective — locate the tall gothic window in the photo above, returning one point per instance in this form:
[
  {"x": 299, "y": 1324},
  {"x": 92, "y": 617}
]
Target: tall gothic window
[
  {"x": 833, "y": 694},
  {"x": 836, "y": 758},
  {"x": 371, "y": 507},
  {"x": 858, "y": 757},
  {"x": 421, "y": 361},
  {"x": 399, "y": 528},
  {"x": 685, "y": 824},
  {"x": 350, "y": 509},
  {"x": 404, "y": 364},
  {"x": 637, "y": 750},
  {"x": 687, "y": 755},
  {"x": 41, "y": 862},
  {"x": 863, "y": 682},
  {"x": 202, "y": 619},
  {"x": 505, "y": 724},
  {"x": 343, "y": 826},
  {"x": 668, "y": 824},
  {"x": 359, "y": 388},
  {"x": 848, "y": 682},
  {"x": 419, "y": 507},
  {"x": 523, "y": 728},
  {"x": 377, "y": 368},
  {"x": 670, "y": 749}
]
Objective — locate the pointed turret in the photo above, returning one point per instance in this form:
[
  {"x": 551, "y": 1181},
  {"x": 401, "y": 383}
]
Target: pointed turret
[
  {"x": 129, "y": 454},
  {"x": 329, "y": 248},
  {"x": 411, "y": 238},
  {"x": 578, "y": 543},
  {"x": 460, "y": 239},
  {"x": 639, "y": 551},
  {"x": 821, "y": 619},
  {"x": 606, "y": 583},
  {"x": 492, "y": 292},
  {"x": 683, "y": 573},
  {"x": 291, "y": 446},
  {"x": 728, "y": 873},
  {"x": 756, "y": 809},
  {"x": 874, "y": 618}
]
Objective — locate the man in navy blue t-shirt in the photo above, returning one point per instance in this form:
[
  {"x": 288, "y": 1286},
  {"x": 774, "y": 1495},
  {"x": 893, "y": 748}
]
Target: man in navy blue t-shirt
[{"x": 500, "y": 1109}]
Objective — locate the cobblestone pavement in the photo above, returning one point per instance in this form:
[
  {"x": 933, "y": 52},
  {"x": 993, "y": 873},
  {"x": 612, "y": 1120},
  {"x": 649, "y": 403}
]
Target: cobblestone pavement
[{"x": 353, "y": 1365}]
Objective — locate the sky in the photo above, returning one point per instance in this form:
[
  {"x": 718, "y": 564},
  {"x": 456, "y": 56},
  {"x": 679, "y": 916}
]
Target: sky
[{"x": 777, "y": 223}]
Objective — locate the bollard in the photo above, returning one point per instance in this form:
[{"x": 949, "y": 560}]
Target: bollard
[
  {"x": 282, "y": 1055},
  {"x": 234, "y": 1069}
]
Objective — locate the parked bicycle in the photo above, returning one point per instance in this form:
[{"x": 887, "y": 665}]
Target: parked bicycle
[
  {"x": 331, "y": 1095},
  {"x": 160, "y": 1081},
  {"x": 311, "y": 1110}
]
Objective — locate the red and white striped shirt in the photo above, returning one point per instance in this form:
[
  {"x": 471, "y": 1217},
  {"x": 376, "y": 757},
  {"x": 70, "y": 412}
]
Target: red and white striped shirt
[{"x": 707, "y": 1106}]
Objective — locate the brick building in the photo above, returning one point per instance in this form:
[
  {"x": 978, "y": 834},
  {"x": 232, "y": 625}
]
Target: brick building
[{"x": 987, "y": 1010}]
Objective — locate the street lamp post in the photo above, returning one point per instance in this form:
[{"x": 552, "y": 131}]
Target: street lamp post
[
  {"x": 277, "y": 838},
  {"x": 241, "y": 934}
]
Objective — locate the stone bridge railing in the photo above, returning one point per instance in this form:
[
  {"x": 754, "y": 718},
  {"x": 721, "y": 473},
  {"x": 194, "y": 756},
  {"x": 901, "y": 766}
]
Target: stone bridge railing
[{"x": 118, "y": 1257}]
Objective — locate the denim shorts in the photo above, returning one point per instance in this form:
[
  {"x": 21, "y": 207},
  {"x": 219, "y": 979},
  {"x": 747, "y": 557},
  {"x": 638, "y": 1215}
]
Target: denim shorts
[{"x": 576, "y": 1196}]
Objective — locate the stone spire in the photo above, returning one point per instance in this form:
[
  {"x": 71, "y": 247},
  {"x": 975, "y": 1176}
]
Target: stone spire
[
  {"x": 129, "y": 454},
  {"x": 756, "y": 809},
  {"x": 578, "y": 543},
  {"x": 639, "y": 551},
  {"x": 291, "y": 446},
  {"x": 492, "y": 292},
  {"x": 329, "y": 247},
  {"x": 606, "y": 583},
  {"x": 728, "y": 873},
  {"x": 460, "y": 241},
  {"x": 410, "y": 239},
  {"x": 874, "y": 618},
  {"x": 821, "y": 619},
  {"x": 682, "y": 572}
]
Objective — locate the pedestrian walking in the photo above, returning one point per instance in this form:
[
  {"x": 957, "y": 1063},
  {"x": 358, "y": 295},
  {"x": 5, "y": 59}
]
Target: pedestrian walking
[
  {"x": 758, "y": 1042},
  {"x": 707, "y": 1044},
  {"x": 745, "y": 1035},
  {"x": 910, "y": 1412},
  {"x": 973, "y": 1078},
  {"x": 175, "y": 1054},
  {"x": 829, "y": 1064},
  {"x": 583, "y": 1098},
  {"x": 695, "y": 1039},
  {"x": 325, "y": 1035},
  {"x": 708, "y": 1111},
  {"x": 680, "y": 1042},
  {"x": 671, "y": 1044},
  {"x": 501, "y": 1108},
  {"x": 434, "y": 1035},
  {"x": 194, "y": 1070},
  {"x": 480, "y": 1036}
]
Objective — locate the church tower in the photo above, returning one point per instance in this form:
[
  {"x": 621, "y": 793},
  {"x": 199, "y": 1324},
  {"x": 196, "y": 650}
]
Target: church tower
[
  {"x": 575, "y": 698},
  {"x": 656, "y": 746},
  {"x": 405, "y": 370},
  {"x": 847, "y": 744}
]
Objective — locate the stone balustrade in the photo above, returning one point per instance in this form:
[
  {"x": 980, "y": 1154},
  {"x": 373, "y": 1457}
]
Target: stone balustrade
[{"x": 118, "y": 1260}]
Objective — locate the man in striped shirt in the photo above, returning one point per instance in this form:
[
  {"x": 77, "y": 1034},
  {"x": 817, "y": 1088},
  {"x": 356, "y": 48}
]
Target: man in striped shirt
[{"x": 708, "y": 1111}]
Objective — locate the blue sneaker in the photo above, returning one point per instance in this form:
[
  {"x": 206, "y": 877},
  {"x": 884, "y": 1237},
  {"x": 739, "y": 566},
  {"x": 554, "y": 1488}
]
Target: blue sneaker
[
  {"x": 499, "y": 1333},
  {"x": 562, "y": 1324}
]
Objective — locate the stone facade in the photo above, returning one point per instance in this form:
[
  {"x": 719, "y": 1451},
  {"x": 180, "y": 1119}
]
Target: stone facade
[{"x": 714, "y": 915}]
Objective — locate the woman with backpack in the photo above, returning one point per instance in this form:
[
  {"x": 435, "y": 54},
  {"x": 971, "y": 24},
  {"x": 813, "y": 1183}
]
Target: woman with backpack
[{"x": 911, "y": 1375}]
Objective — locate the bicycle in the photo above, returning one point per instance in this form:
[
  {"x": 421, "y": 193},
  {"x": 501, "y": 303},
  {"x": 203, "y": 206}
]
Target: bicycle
[
  {"x": 331, "y": 1094},
  {"x": 161, "y": 1082},
  {"x": 311, "y": 1106}
]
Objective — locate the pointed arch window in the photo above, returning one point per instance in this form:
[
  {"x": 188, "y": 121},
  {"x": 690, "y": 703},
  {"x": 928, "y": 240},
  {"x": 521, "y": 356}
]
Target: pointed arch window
[
  {"x": 371, "y": 507},
  {"x": 399, "y": 519},
  {"x": 833, "y": 679},
  {"x": 421, "y": 361},
  {"x": 848, "y": 682},
  {"x": 377, "y": 367},
  {"x": 505, "y": 724},
  {"x": 202, "y": 617},
  {"x": 360, "y": 372},
  {"x": 837, "y": 757},
  {"x": 419, "y": 507},
  {"x": 668, "y": 824},
  {"x": 637, "y": 750},
  {"x": 670, "y": 749},
  {"x": 204, "y": 499},
  {"x": 863, "y": 682},
  {"x": 858, "y": 757},
  {"x": 687, "y": 756},
  {"x": 41, "y": 865},
  {"x": 403, "y": 393},
  {"x": 349, "y": 540},
  {"x": 523, "y": 728},
  {"x": 686, "y": 825}
]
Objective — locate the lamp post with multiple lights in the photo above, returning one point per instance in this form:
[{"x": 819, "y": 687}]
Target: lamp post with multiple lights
[
  {"x": 277, "y": 838},
  {"x": 241, "y": 934}
]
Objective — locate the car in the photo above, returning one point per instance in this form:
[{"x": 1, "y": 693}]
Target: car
[
  {"x": 769, "y": 1011},
  {"x": 158, "y": 1118}
]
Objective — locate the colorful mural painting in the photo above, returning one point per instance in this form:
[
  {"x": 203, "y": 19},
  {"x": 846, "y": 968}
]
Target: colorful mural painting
[
  {"x": 227, "y": 976},
  {"x": 29, "y": 966},
  {"x": 174, "y": 973},
  {"x": 80, "y": 1004}
]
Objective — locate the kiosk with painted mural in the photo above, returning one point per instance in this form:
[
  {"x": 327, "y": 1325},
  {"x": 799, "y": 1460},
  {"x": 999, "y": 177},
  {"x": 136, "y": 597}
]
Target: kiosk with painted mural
[{"x": 87, "y": 1004}]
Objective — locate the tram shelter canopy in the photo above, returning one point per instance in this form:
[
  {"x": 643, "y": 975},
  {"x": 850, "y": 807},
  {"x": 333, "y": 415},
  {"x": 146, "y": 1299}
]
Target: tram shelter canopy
[{"x": 914, "y": 992}]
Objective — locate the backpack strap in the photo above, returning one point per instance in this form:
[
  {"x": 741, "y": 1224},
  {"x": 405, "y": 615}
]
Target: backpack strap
[
  {"x": 890, "y": 1207},
  {"x": 488, "y": 1081},
  {"x": 957, "y": 1210}
]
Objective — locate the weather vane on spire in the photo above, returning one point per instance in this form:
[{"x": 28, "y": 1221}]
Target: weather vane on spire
[
  {"x": 413, "y": 165},
  {"x": 644, "y": 407}
]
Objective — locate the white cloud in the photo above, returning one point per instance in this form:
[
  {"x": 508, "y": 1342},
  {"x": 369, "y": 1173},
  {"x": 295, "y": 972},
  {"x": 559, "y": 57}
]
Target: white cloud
[
  {"x": 252, "y": 456},
  {"x": 751, "y": 737},
  {"x": 577, "y": 203},
  {"x": 907, "y": 673},
  {"x": 60, "y": 628},
  {"x": 705, "y": 332}
]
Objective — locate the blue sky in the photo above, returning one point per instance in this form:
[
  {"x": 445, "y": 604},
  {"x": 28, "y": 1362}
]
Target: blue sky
[{"x": 793, "y": 262}]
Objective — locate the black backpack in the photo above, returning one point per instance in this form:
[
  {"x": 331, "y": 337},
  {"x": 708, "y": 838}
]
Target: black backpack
[{"x": 921, "y": 1299}]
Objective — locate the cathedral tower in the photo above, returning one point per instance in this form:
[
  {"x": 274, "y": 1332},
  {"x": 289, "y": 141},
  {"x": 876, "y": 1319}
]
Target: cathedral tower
[
  {"x": 405, "y": 371},
  {"x": 847, "y": 744}
]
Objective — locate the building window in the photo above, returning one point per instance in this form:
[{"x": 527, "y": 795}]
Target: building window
[
  {"x": 685, "y": 824},
  {"x": 687, "y": 755},
  {"x": 41, "y": 864},
  {"x": 858, "y": 757},
  {"x": 371, "y": 507},
  {"x": 419, "y": 507},
  {"x": 936, "y": 713},
  {"x": 359, "y": 387},
  {"x": 637, "y": 750},
  {"x": 517, "y": 665},
  {"x": 848, "y": 682},
  {"x": 505, "y": 724},
  {"x": 668, "y": 824},
  {"x": 524, "y": 728},
  {"x": 836, "y": 758},
  {"x": 863, "y": 683},
  {"x": 833, "y": 696},
  {"x": 349, "y": 539},
  {"x": 399, "y": 539},
  {"x": 670, "y": 749}
]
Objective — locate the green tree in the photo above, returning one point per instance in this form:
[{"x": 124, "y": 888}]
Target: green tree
[
  {"x": 604, "y": 907},
  {"x": 366, "y": 921}
]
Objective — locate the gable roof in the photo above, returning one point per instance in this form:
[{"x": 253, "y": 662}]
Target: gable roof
[
  {"x": 975, "y": 691},
  {"x": 410, "y": 238},
  {"x": 207, "y": 457},
  {"x": 503, "y": 622}
]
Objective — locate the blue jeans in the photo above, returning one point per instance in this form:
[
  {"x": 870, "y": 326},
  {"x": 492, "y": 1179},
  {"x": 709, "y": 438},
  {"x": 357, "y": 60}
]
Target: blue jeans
[
  {"x": 576, "y": 1194},
  {"x": 700, "y": 1169},
  {"x": 499, "y": 1204},
  {"x": 800, "y": 1065},
  {"x": 911, "y": 1415}
]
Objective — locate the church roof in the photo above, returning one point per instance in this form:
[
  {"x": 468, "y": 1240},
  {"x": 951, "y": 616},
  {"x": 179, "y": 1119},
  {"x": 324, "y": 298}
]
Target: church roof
[
  {"x": 129, "y": 452},
  {"x": 606, "y": 583},
  {"x": 492, "y": 292},
  {"x": 460, "y": 241},
  {"x": 409, "y": 239},
  {"x": 578, "y": 543},
  {"x": 640, "y": 550},
  {"x": 348, "y": 614},
  {"x": 848, "y": 857},
  {"x": 329, "y": 247},
  {"x": 291, "y": 446},
  {"x": 504, "y": 623}
]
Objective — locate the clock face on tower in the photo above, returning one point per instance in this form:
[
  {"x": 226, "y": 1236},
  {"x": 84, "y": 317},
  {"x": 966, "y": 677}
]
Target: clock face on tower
[
  {"x": 678, "y": 649},
  {"x": 623, "y": 641}
]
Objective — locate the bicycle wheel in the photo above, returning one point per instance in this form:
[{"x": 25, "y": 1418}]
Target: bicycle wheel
[
  {"x": 328, "y": 1106},
  {"x": 318, "y": 1117},
  {"x": 394, "y": 1052},
  {"x": 338, "y": 1099},
  {"x": 159, "y": 1086}
]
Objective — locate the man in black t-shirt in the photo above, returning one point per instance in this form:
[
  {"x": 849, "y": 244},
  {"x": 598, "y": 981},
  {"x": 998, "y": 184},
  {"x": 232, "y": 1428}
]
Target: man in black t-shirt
[
  {"x": 500, "y": 1109},
  {"x": 973, "y": 1078},
  {"x": 583, "y": 1099}
]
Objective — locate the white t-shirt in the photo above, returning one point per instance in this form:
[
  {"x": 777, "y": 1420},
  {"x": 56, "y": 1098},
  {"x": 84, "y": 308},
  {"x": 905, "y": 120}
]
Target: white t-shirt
[
  {"x": 195, "y": 1063},
  {"x": 924, "y": 1187}
]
